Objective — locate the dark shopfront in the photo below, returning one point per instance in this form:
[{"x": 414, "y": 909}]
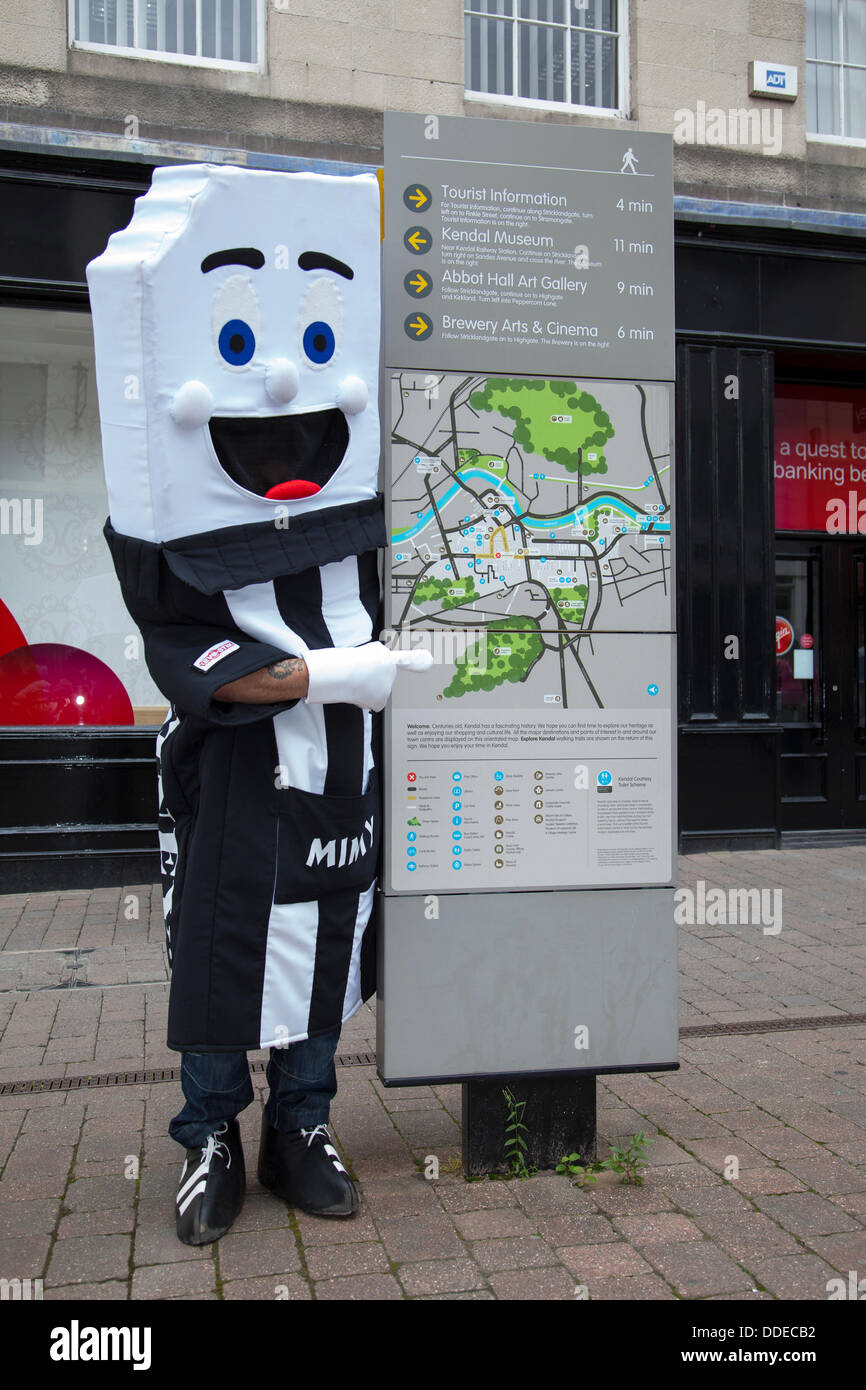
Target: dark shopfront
[
  {"x": 770, "y": 746},
  {"x": 772, "y": 535}
]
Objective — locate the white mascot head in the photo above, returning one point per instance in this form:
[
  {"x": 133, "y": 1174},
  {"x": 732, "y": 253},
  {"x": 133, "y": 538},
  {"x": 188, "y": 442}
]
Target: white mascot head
[{"x": 237, "y": 349}]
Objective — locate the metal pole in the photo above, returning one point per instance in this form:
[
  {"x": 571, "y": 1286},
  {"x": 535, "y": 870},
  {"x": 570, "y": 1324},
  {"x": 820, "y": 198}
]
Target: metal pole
[{"x": 560, "y": 1118}]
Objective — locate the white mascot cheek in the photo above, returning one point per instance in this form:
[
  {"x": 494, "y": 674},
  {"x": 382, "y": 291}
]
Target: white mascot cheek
[
  {"x": 192, "y": 406},
  {"x": 352, "y": 395}
]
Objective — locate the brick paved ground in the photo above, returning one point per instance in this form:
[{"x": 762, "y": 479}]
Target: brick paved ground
[{"x": 88, "y": 1177}]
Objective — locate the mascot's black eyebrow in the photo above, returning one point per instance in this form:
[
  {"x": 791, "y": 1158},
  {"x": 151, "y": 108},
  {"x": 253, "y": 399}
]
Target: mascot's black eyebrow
[
  {"x": 320, "y": 260},
  {"x": 238, "y": 255}
]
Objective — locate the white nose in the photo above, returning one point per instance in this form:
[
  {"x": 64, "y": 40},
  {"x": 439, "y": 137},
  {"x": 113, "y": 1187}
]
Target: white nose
[
  {"x": 352, "y": 395},
  {"x": 192, "y": 405},
  {"x": 281, "y": 380}
]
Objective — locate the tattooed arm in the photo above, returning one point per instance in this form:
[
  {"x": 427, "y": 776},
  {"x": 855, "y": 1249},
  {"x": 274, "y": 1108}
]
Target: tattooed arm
[{"x": 282, "y": 680}]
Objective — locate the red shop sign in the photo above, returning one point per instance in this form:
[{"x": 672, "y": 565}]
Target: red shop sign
[
  {"x": 784, "y": 636},
  {"x": 820, "y": 459}
]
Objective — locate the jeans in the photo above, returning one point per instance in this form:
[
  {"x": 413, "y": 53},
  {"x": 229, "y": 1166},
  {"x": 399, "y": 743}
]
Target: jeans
[{"x": 217, "y": 1087}]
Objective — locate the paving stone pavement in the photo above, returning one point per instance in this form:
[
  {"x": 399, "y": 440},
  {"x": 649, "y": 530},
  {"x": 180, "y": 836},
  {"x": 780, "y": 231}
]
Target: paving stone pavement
[{"x": 756, "y": 1188}]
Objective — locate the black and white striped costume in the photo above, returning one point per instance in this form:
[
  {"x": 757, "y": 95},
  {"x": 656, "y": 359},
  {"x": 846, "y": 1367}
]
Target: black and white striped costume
[{"x": 269, "y": 815}]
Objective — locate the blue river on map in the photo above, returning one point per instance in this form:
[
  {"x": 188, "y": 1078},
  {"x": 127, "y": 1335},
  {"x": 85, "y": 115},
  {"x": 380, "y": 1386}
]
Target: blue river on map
[{"x": 546, "y": 524}]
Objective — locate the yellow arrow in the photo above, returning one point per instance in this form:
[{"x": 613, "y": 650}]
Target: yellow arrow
[
  {"x": 419, "y": 325},
  {"x": 416, "y": 240},
  {"x": 420, "y": 283},
  {"x": 418, "y": 198}
]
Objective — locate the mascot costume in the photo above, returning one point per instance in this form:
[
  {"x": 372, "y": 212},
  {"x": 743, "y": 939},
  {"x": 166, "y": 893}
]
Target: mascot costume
[{"x": 236, "y": 324}]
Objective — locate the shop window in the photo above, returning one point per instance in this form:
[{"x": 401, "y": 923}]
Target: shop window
[
  {"x": 836, "y": 68},
  {"x": 798, "y": 646},
  {"x": 69, "y": 653},
  {"x": 549, "y": 53},
  {"x": 820, "y": 458},
  {"x": 860, "y": 640},
  {"x": 216, "y": 33}
]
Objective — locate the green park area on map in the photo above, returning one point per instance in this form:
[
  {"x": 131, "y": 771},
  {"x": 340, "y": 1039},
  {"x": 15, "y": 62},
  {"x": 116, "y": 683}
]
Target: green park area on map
[
  {"x": 507, "y": 651},
  {"x": 538, "y": 407}
]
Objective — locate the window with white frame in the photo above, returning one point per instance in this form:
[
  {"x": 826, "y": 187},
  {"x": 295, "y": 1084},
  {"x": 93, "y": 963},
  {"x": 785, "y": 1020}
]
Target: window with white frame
[
  {"x": 836, "y": 68},
  {"x": 565, "y": 53},
  {"x": 217, "y": 33}
]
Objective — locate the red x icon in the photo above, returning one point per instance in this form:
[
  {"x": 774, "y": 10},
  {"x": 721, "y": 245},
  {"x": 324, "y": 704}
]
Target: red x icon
[{"x": 411, "y": 777}]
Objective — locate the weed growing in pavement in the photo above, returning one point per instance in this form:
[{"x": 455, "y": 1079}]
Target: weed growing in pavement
[
  {"x": 515, "y": 1138},
  {"x": 625, "y": 1159},
  {"x": 628, "y": 1159}
]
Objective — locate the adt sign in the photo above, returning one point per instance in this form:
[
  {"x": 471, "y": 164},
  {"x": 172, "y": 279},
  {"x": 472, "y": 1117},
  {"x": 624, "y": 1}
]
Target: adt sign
[{"x": 773, "y": 80}]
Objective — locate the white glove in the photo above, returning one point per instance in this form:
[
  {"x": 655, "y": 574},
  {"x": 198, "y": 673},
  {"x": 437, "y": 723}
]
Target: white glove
[{"x": 360, "y": 676}]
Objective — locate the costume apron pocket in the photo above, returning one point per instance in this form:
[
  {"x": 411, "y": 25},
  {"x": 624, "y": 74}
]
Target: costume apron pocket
[{"x": 326, "y": 843}]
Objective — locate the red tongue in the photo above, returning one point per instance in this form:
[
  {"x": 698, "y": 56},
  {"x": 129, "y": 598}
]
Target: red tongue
[{"x": 298, "y": 487}]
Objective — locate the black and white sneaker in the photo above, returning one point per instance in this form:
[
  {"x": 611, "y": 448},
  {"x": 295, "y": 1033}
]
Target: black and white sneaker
[
  {"x": 304, "y": 1168},
  {"x": 212, "y": 1186}
]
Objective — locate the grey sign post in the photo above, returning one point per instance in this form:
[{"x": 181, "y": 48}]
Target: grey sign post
[{"x": 528, "y": 905}]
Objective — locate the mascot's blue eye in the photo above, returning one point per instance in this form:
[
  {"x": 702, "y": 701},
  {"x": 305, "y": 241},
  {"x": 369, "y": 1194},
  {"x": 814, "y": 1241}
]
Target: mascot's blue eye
[
  {"x": 319, "y": 342},
  {"x": 237, "y": 342}
]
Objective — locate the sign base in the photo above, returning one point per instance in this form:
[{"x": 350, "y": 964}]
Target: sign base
[
  {"x": 487, "y": 985},
  {"x": 560, "y": 1119}
]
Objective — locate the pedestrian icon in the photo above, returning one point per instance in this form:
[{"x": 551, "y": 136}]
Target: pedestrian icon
[
  {"x": 418, "y": 284},
  {"x": 417, "y": 240},
  {"x": 417, "y": 197},
  {"x": 418, "y": 327},
  {"x": 629, "y": 161}
]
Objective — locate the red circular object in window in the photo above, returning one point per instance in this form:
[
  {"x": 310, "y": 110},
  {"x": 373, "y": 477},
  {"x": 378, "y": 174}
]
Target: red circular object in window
[
  {"x": 50, "y": 683},
  {"x": 784, "y": 636},
  {"x": 11, "y": 635}
]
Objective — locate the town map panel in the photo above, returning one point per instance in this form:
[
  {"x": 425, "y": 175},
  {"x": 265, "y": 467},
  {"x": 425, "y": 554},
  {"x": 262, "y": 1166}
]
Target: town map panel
[{"x": 529, "y": 513}]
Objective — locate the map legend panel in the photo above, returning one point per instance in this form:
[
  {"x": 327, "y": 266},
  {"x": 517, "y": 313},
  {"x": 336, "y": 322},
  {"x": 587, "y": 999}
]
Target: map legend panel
[{"x": 521, "y": 782}]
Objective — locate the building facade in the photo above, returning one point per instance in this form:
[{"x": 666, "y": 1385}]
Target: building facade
[{"x": 766, "y": 101}]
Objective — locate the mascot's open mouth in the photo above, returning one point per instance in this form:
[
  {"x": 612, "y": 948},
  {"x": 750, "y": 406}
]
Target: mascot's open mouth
[{"x": 281, "y": 457}]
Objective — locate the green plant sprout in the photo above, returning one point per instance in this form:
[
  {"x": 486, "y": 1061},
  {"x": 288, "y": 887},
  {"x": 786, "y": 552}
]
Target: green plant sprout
[
  {"x": 628, "y": 1159},
  {"x": 625, "y": 1159},
  {"x": 582, "y": 1172},
  {"x": 515, "y": 1140}
]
